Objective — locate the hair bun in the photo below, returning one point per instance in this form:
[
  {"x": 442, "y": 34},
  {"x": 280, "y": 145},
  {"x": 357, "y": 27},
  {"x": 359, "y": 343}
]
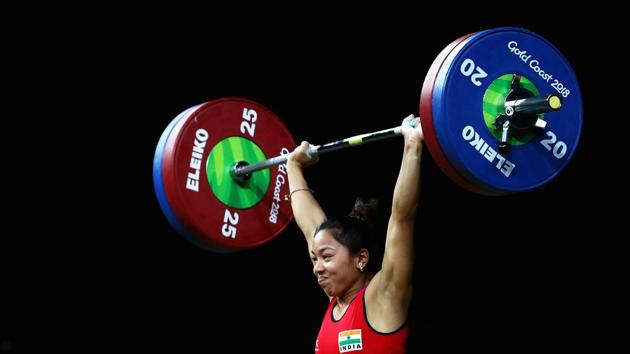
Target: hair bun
[{"x": 365, "y": 209}]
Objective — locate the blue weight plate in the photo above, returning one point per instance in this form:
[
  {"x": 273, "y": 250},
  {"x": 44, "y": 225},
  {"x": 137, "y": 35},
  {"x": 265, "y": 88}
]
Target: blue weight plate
[
  {"x": 158, "y": 182},
  {"x": 470, "y": 85}
]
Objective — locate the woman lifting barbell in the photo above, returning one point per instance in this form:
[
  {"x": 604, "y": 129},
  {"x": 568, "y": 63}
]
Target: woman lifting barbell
[{"x": 366, "y": 311}]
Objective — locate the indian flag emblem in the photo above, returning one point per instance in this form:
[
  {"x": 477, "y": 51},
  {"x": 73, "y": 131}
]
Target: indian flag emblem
[{"x": 350, "y": 341}]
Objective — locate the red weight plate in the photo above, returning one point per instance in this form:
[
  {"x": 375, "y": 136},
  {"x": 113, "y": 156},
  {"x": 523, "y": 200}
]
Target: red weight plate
[
  {"x": 426, "y": 119},
  {"x": 200, "y": 151}
]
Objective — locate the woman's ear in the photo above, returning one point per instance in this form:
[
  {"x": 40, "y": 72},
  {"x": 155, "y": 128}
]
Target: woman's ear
[{"x": 362, "y": 259}]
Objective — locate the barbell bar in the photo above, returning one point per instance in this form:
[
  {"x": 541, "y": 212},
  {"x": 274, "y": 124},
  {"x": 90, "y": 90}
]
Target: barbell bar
[{"x": 500, "y": 109}]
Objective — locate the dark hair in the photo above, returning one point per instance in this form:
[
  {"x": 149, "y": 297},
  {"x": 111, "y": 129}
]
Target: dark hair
[{"x": 356, "y": 230}]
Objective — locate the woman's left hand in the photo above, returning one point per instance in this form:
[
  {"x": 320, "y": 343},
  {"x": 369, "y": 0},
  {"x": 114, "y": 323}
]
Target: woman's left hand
[{"x": 411, "y": 133}]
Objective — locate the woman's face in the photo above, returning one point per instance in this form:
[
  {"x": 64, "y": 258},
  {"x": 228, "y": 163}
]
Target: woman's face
[{"x": 333, "y": 266}]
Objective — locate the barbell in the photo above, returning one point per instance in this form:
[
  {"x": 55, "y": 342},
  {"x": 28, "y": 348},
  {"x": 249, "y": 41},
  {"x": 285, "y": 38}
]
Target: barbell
[{"x": 500, "y": 109}]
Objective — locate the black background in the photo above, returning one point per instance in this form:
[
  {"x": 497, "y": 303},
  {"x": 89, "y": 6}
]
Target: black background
[{"x": 97, "y": 265}]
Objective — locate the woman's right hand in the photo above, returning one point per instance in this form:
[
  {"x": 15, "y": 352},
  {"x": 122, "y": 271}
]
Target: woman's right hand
[{"x": 300, "y": 157}]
